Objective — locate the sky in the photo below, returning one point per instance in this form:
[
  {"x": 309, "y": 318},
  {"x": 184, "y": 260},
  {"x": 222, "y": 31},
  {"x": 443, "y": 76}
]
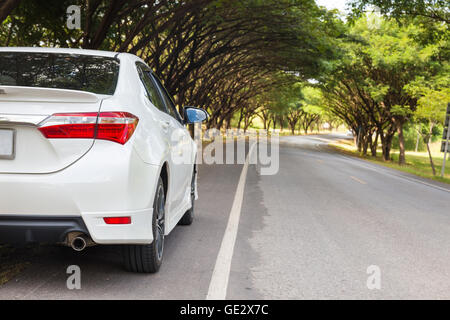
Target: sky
[{"x": 333, "y": 4}]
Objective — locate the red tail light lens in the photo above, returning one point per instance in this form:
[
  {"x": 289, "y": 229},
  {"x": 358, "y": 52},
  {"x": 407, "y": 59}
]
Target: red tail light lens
[
  {"x": 116, "y": 126},
  {"x": 70, "y": 125},
  {"x": 117, "y": 220},
  {"x": 112, "y": 126}
]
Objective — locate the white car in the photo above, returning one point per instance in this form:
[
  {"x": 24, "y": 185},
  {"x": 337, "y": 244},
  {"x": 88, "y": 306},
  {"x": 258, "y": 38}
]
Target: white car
[{"x": 92, "y": 151}]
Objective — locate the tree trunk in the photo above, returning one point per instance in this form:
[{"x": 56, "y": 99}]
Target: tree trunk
[
  {"x": 418, "y": 141},
  {"x": 240, "y": 120},
  {"x": 386, "y": 153},
  {"x": 401, "y": 143},
  {"x": 360, "y": 141},
  {"x": 228, "y": 121},
  {"x": 386, "y": 142},
  {"x": 219, "y": 124},
  {"x": 431, "y": 158},
  {"x": 365, "y": 146},
  {"x": 374, "y": 145}
]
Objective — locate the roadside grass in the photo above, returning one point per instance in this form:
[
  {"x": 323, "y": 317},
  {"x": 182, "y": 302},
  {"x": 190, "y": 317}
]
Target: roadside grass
[
  {"x": 287, "y": 132},
  {"x": 417, "y": 163}
]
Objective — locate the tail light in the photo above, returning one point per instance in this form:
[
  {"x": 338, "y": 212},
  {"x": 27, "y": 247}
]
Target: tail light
[{"x": 112, "y": 126}]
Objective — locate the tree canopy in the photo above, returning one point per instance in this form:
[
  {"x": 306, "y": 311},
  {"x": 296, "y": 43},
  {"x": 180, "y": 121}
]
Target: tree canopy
[
  {"x": 371, "y": 88},
  {"x": 214, "y": 54},
  {"x": 437, "y": 10}
]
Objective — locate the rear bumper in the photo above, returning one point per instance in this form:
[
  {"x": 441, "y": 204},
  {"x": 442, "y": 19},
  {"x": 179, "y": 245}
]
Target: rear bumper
[
  {"x": 109, "y": 181},
  {"x": 19, "y": 229},
  {"x": 26, "y": 229},
  {"x": 139, "y": 231}
]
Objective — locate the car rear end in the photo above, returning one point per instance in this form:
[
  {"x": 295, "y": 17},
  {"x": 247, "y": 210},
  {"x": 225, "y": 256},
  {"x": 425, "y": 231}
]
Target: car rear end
[{"x": 67, "y": 166}]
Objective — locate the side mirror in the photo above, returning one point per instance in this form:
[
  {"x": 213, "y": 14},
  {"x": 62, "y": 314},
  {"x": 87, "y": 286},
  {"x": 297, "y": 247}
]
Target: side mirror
[{"x": 195, "y": 115}]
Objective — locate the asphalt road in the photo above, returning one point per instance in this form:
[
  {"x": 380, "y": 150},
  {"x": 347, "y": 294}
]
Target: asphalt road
[{"x": 308, "y": 232}]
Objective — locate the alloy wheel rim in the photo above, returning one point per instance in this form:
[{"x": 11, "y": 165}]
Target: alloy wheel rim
[{"x": 160, "y": 207}]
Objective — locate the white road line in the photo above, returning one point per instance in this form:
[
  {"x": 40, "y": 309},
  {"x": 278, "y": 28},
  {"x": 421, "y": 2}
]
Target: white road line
[{"x": 221, "y": 274}]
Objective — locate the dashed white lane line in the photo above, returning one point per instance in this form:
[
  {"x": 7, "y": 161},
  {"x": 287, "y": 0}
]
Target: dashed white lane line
[{"x": 221, "y": 274}]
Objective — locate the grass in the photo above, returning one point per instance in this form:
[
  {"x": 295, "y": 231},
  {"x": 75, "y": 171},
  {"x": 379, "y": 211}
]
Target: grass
[{"x": 417, "y": 163}]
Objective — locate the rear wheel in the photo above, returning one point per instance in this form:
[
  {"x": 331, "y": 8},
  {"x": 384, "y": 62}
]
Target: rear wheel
[
  {"x": 148, "y": 258},
  {"x": 188, "y": 217}
]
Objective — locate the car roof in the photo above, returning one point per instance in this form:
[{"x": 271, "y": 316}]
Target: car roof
[{"x": 101, "y": 53}]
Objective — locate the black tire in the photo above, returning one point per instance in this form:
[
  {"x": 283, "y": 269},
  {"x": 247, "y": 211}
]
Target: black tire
[
  {"x": 188, "y": 217},
  {"x": 148, "y": 258}
]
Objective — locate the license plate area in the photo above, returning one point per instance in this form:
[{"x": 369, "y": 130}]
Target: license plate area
[{"x": 7, "y": 144}]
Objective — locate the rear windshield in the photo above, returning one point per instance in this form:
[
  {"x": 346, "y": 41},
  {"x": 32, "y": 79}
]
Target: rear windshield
[{"x": 62, "y": 71}]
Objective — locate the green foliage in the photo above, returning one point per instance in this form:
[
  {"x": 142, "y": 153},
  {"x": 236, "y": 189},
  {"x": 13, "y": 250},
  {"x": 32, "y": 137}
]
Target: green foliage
[
  {"x": 433, "y": 95},
  {"x": 391, "y": 73},
  {"x": 215, "y": 54},
  {"x": 432, "y": 105},
  {"x": 436, "y": 10},
  {"x": 410, "y": 133}
]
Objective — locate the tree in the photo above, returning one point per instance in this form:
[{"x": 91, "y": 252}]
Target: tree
[
  {"x": 293, "y": 115},
  {"x": 433, "y": 97},
  {"x": 214, "y": 54},
  {"x": 436, "y": 10},
  {"x": 370, "y": 82},
  {"x": 312, "y": 107}
]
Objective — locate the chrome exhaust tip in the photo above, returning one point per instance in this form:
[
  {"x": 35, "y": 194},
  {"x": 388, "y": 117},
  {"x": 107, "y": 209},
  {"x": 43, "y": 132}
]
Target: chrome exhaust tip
[{"x": 78, "y": 243}]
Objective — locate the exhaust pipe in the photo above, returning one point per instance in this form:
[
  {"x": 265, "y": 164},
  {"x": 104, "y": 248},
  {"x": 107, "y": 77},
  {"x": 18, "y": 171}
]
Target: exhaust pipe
[{"x": 79, "y": 243}]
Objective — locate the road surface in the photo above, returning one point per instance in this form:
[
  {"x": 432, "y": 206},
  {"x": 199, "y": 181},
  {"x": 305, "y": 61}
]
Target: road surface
[{"x": 309, "y": 232}]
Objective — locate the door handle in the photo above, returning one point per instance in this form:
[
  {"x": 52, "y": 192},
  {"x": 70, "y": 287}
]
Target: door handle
[{"x": 165, "y": 125}]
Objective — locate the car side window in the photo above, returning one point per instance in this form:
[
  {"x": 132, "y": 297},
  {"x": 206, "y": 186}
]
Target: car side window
[
  {"x": 171, "y": 109},
  {"x": 152, "y": 91}
]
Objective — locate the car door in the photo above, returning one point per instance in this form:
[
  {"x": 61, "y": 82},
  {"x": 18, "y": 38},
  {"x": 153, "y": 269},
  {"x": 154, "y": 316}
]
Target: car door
[
  {"x": 164, "y": 122},
  {"x": 181, "y": 144}
]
